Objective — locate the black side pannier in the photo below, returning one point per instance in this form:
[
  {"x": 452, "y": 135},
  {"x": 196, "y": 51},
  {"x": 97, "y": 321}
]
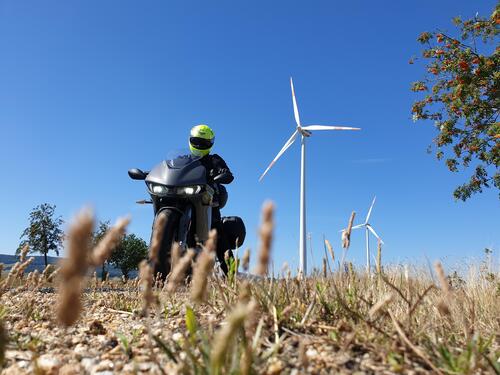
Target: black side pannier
[{"x": 234, "y": 230}]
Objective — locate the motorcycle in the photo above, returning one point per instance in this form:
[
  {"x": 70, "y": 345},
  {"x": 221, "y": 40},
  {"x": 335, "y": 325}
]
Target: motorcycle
[{"x": 179, "y": 189}]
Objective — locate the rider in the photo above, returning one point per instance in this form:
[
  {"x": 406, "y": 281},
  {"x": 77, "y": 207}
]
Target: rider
[{"x": 201, "y": 141}]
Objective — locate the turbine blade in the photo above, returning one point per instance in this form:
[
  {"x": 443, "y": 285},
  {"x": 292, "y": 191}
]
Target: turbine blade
[
  {"x": 295, "y": 108},
  {"x": 374, "y": 233},
  {"x": 328, "y": 127},
  {"x": 358, "y": 226},
  {"x": 370, "y": 210},
  {"x": 285, "y": 147},
  {"x": 354, "y": 227}
]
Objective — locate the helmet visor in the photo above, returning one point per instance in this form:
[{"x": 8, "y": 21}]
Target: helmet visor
[{"x": 201, "y": 143}]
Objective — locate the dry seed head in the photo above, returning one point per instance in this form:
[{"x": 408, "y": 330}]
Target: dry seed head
[
  {"x": 176, "y": 255},
  {"x": 46, "y": 271},
  {"x": 304, "y": 361},
  {"x": 443, "y": 308},
  {"x": 177, "y": 275},
  {"x": 379, "y": 256},
  {"x": 244, "y": 292},
  {"x": 74, "y": 267},
  {"x": 443, "y": 304},
  {"x": 70, "y": 303},
  {"x": 53, "y": 275},
  {"x": 203, "y": 267},
  {"x": 146, "y": 276},
  {"x": 28, "y": 279},
  {"x": 246, "y": 360},
  {"x": 266, "y": 237},
  {"x": 245, "y": 261},
  {"x": 24, "y": 252},
  {"x": 445, "y": 286},
  {"x": 211, "y": 243},
  {"x": 78, "y": 243},
  {"x": 12, "y": 273},
  {"x": 330, "y": 250},
  {"x": 346, "y": 234},
  {"x": 386, "y": 299},
  {"x": 23, "y": 266},
  {"x": 1, "y": 269},
  {"x": 223, "y": 337},
  {"x": 109, "y": 242},
  {"x": 324, "y": 267},
  {"x": 158, "y": 229},
  {"x": 36, "y": 278}
]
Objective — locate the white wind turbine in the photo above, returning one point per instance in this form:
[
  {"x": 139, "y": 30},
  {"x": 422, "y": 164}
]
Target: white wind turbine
[
  {"x": 368, "y": 227},
  {"x": 305, "y": 132}
]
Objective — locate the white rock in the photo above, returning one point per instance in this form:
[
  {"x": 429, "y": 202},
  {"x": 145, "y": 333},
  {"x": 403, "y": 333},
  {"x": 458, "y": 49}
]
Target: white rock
[
  {"x": 48, "y": 364},
  {"x": 81, "y": 351},
  {"x": 311, "y": 353},
  {"x": 88, "y": 363}
]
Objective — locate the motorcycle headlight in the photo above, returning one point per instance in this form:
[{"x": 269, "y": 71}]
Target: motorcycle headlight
[
  {"x": 189, "y": 190},
  {"x": 158, "y": 189}
]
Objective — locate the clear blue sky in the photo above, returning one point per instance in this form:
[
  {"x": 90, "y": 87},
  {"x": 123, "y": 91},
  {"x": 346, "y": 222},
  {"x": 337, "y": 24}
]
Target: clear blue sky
[{"x": 89, "y": 89}]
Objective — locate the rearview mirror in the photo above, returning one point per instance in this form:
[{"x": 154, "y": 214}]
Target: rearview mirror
[{"x": 137, "y": 174}]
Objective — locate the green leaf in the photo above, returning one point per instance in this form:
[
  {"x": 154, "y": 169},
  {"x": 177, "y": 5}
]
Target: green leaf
[{"x": 191, "y": 323}]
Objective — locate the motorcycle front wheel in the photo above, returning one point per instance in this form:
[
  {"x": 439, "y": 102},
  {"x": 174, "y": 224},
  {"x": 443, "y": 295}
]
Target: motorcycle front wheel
[{"x": 170, "y": 229}]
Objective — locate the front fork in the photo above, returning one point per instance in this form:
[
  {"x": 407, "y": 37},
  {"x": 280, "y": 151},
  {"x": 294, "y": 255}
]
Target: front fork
[{"x": 202, "y": 223}]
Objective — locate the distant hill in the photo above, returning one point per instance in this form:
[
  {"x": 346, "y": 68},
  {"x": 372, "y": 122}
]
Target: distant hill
[{"x": 38, "y": 264}]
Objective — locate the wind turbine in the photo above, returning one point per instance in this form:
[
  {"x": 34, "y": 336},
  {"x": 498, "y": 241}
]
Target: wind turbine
[
  {"x": 305, "y": 132},
  {"x": 368, "y": 227}
]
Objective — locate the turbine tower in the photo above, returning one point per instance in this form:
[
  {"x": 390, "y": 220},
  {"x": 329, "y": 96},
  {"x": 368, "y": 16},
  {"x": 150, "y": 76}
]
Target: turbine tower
[
  {"x": 368, "y": 227},
  {"x": 305, "y": 132}
]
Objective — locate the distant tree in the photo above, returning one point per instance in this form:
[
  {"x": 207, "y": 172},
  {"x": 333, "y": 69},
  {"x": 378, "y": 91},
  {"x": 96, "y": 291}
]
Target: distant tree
[
  {"x": 462, "y": 98},
  {"x": 129, "y": 253},
  {"x": 44, "y": 232},
  {"x": 98, "y": 234}
]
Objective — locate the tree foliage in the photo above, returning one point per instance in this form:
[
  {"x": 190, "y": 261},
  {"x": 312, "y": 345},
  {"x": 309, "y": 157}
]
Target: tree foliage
[
  {"x": 129, "y": 253},
  {"x": 44, "y": 232},
  {"x": 461, "y": 96}
]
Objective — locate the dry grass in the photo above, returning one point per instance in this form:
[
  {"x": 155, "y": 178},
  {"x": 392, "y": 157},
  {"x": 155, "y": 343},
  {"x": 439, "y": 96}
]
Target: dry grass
[{"x": 330, "y": 322}]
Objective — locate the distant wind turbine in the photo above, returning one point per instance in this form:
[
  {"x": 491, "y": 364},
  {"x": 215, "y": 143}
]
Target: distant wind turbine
[
  {"x": 368, "y": 227},
  {"x": 304, "y": 131}
]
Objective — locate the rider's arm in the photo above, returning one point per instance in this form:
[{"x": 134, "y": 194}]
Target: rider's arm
[{"x": 219, "y": 167}]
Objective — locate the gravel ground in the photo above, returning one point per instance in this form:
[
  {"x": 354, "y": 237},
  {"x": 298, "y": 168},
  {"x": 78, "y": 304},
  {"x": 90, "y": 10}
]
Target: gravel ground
[{"x": 108, "y": 340}]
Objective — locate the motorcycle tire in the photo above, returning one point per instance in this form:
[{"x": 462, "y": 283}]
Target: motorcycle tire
[{"x": 170, "y": 229}]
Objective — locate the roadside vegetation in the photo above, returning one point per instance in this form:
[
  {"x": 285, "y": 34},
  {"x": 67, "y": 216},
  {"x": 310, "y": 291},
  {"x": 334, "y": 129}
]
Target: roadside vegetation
[{"x": 341, "y": 320}]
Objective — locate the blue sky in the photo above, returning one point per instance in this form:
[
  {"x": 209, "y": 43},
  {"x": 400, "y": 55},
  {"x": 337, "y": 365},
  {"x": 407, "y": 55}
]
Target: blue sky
[{"x": 89, "y": 89}]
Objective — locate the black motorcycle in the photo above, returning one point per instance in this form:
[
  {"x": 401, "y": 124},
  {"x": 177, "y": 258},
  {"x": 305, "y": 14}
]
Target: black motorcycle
[{"x": 179, "y": 188}]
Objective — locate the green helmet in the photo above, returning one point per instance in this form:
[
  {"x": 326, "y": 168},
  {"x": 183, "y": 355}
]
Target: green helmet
[{"x": 201, "y": 140}]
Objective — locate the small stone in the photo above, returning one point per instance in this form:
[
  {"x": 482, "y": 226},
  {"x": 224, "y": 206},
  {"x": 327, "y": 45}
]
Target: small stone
[
  {"x": 70, "y": 369},
  {"x": 177, "y": 336},
  {"x": 105, "y": 365},
  {"x": 81, "y": 351},
  {"x": 145, "y": 366},
  {"x": 275, "y": 368},
  {"x": 311, "y": 353},
  {"x": 88, "y": 363},
  {"x": 48, "y": 364}
]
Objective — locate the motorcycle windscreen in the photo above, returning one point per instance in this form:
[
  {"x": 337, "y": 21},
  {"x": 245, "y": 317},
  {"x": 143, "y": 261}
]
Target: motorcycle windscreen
[
  {"x": 192, "y": 173},
  {"x": 178, "y": 159}
]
